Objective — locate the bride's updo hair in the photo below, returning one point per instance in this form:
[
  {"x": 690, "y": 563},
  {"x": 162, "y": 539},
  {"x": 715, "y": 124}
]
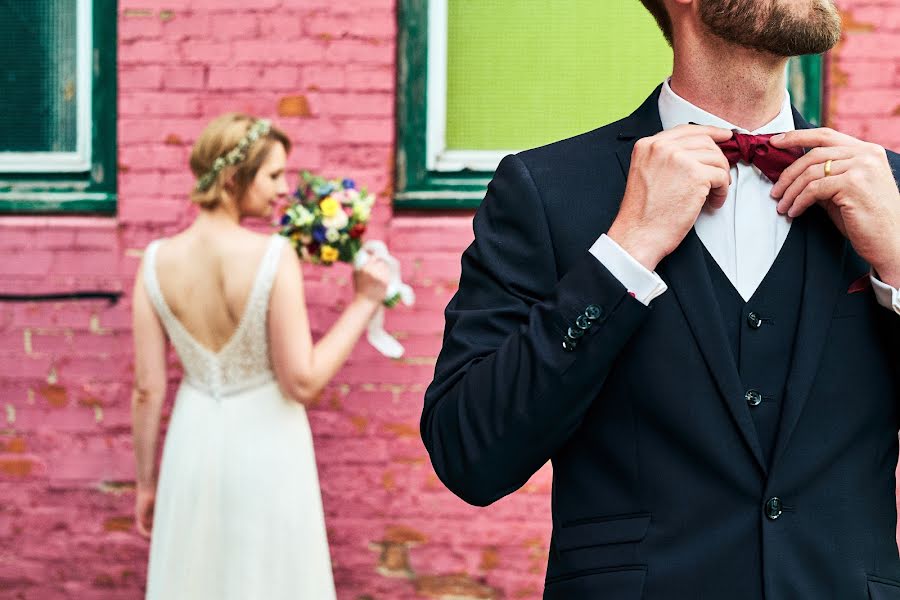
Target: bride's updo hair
[{"x": 221, "y": 136}]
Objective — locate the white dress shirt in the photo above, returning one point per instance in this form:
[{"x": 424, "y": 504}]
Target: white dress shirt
[{"x": 744, "y": 236}]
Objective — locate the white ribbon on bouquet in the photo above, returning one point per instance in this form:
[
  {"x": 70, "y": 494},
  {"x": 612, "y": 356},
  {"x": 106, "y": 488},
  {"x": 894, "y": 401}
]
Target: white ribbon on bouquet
[{"x": 380, "y": 339}]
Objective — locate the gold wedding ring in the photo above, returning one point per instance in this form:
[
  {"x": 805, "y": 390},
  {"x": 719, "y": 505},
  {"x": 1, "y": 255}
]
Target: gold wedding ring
[{"x": 828, "y": 168}]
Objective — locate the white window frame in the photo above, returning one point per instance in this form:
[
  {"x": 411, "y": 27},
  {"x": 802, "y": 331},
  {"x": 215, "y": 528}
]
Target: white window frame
[
  {"x": 80, "y": 159},
  {"x": 438, "y": 157}
]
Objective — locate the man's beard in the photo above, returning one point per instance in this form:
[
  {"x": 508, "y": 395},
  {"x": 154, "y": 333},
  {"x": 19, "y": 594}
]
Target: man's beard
[{"x": 771, "y": 26}]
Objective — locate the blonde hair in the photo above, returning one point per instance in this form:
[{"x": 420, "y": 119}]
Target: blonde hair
[{"x": 221, "y": 135}]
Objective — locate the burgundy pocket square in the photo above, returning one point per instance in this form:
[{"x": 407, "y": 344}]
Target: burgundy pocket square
[{"x": 860, "y": 285}]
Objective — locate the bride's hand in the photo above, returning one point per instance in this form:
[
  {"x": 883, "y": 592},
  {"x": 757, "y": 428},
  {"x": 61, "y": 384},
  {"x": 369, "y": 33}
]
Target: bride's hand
[
  {"x": 372, "y": 280},
  {"x": 143, "y": 510}
]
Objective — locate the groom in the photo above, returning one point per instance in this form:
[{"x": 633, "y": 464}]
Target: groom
[{"x": 697, "y": 327}]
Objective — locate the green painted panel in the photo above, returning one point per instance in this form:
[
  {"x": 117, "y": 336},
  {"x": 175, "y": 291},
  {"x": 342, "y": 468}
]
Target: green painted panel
[
  {"x": 522, "y": 73},
  {"x": 91, "y": 192}
]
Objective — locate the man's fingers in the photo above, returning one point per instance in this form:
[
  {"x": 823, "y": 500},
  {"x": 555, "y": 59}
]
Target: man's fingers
[
  {"x": 718, "y": 134},
  {"x": 813, "y": 138},
  {"x": 805, "y": 164},
  {"x": 719, "y": 180},
  {"x": 819, "y": 191},
  {"x": 712, "y": 158},
  {"x": 812, "y": 173}
]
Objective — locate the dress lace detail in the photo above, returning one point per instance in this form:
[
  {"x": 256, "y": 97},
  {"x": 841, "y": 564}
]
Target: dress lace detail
[{"x": 243, "y": 362}]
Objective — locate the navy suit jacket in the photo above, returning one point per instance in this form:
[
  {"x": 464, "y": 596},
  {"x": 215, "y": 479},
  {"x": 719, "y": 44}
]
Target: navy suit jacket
[{"x": 660, "y": 487}]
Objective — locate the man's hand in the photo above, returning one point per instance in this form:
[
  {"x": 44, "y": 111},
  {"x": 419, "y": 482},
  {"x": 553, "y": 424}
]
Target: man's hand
[
  {"x": 860, "y": 195},
  {"x": 673, "y": 175}
]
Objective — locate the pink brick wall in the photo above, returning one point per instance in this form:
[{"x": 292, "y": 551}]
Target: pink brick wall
[{"x": 325, "y": 71}]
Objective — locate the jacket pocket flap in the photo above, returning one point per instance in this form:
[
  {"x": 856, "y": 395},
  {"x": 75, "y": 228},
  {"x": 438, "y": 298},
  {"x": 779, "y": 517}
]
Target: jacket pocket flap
[
  {"x": 601, "y": 531},
  {"x": 883, "y": 589},
  {"x": 624, "y": 583}
]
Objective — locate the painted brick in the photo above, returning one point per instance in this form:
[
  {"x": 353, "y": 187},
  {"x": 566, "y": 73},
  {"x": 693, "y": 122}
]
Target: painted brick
[
  {"x": 228, "y": 27},
  {"x": 205, "y": 52},
  {"x": 180, "y": 25},
  {"x": 380, "y": 25},
  {"x": 370, "y": 77},
  {"x": 299, "y": 51},
  {"x": 190, "y": 78}
]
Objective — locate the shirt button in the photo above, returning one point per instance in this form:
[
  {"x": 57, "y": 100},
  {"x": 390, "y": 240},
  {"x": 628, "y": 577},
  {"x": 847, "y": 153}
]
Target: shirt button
[
  {"x": 774, "y": 508},
  {"x": 754, "y": 320},
  {"x": 753, "y": 398}
]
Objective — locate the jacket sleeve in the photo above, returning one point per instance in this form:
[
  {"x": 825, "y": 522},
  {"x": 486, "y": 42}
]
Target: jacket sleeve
[{"x": 506, "y": 394}]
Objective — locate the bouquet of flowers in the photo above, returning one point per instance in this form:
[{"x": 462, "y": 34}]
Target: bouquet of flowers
[{"x": 326, "y": 222}]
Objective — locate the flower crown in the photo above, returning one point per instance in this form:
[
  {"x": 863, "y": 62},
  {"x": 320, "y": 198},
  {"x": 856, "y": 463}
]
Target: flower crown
[{"x": 235, "y": 155}]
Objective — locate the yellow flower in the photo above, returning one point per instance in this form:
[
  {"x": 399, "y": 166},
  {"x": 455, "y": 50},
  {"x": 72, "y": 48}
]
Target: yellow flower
[
  {"x": 328, "y": 254},
  {"x": 329, "y": 206}
]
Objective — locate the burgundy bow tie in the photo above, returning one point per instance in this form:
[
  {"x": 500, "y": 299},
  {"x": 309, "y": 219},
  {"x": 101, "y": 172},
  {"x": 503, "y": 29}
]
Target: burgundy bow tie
[{"x": 756, "y": 150}]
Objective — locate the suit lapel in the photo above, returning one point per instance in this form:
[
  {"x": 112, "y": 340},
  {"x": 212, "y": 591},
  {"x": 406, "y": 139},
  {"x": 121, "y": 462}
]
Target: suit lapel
[
  {"x": 687, "y": 276},
  {"x": 825, "y": 254},
  {"x": 644, "y": 122}
]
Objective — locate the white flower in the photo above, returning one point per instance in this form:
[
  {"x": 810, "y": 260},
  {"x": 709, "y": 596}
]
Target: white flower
[
  {"x": 338, "y": 220},
  {"x": 304, "y": 216},
  {"x": 362, "y": 211},
  {"x": 332, "y": 235}
]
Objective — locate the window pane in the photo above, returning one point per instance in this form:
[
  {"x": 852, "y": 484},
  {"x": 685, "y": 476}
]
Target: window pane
[
  {"x": 521, "y": 73},
  {"x": 38, "y": 107}
]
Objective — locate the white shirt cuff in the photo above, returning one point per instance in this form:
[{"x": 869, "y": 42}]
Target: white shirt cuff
[
  {"x": 886, "y": 295},
  {"x": 644, "y": 284}
]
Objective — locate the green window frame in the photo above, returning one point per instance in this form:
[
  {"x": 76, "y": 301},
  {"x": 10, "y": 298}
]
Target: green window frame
[
  {"x": 422, "y": 187},
  {"x": 85, "y": 184}
]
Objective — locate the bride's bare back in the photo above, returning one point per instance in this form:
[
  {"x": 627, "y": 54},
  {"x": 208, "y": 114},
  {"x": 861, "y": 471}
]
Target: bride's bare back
[{"x": 206, "y": 278}]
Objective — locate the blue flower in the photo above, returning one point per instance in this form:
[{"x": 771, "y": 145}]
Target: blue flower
[
  {"x": 323, "y": 190},
  {"x": 348, "y": 184},
  {"x": 285, "y": 219},
  {"x": 318, "y": 234}
]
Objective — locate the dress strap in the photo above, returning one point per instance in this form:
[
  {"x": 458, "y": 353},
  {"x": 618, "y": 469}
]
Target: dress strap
[
  {"x": 267, "y": 270},
  {"x": 151, "y": 285}
]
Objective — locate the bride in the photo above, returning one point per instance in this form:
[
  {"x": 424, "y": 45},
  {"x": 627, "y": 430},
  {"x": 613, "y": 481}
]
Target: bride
[{"x": 236, "y": 512}]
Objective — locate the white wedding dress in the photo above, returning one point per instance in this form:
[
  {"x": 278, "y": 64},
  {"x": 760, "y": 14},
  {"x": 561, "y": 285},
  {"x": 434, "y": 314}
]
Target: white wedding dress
[{"x": 238, "y": 510}]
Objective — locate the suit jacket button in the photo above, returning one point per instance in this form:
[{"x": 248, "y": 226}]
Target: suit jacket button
[
  {"x": 753, "y": 398},
  {"x": 754, "y": 320},
  {"x": 568, "y": 346},
  {"x": 774, "y": 508},
  {"x": 582, "y": 322},
  {"x": 593, "y": 312},
  {"x": 575, "y": 333}
]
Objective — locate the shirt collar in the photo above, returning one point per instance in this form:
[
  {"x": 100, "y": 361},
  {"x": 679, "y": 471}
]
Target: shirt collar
[{"x": 675, "y": 110}]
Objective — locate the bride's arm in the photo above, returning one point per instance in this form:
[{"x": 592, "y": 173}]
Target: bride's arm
[
  {"x": 147, "y": 396},
  {"x": 301, "y": 367}
]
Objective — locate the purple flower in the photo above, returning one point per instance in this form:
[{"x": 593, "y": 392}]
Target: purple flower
[
  {"x": 348, "y": 184},
  {"x": 318, "y": 234}
]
